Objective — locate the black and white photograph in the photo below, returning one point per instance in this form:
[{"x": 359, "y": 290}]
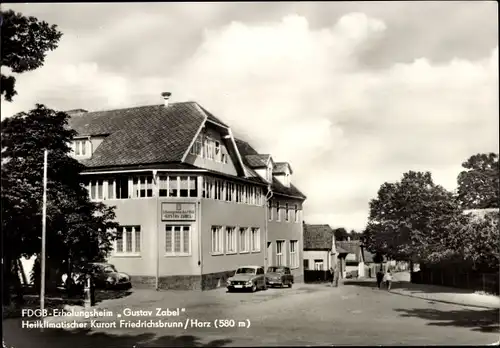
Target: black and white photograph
[{"x": 236, "y": 174}]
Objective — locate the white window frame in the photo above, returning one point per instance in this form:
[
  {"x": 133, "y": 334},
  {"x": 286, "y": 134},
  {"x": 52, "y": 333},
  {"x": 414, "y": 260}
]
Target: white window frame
[
  {"x": 255, "y": 247},
  {"x": 318, "y": 263},
  {"x": 246, "y": 238},
  {"x": 217, "y": 151},
  {"x": 220, "y": 242},
  {"x": 294, "y": 254},
  {"x": 270, "y": 211},
  {"x": 183, "y": 252},
  {"x": 297, "y": 219},
  {"x": 287, "y": 213},
  {"x": 231, "y": 237},
  {"x": 80, "y": 147},
  {"x": 135, "y": 232},
  {"x": 280, "y": 252},
  {"x": 278, "y": 211},
  {"x": 197, "y": 148}
]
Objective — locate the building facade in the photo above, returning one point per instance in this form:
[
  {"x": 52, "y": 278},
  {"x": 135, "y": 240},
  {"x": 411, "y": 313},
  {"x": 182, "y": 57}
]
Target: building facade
[{"x": 190, "y": 198}]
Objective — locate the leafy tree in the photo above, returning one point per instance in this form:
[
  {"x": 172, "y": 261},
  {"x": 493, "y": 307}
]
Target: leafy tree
[
  {"x": 473, "y": 240},
  {"x": 355, "y": 235},
  {"x": 408, "y": 219},
  {"x": 77, "y": 229},
  {"x": 340, "y": 234},
  {"x": 478, "y": 184},
  {"x": 25, "y": 42}
]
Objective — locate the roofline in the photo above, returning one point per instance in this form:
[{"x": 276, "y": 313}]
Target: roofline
[
  {"x": 286, "y": 195},
  {"x": 183, "y": 158},
  {"x": 217, "y": 123},
  {"x": 237, "y": 152},
  {"x": 317, "y": 249},
  {"x": 143, "y": 170}
]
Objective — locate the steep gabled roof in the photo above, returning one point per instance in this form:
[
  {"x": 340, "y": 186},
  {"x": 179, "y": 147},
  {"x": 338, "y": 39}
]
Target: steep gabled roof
[
  {"x": 280, "y": 168},
  {"x": 140, "y": 135},
  {"x": 351, "y": 247},
  {"x": 318, "y": 237},
  {"x": 257, "y": 161},
  {"x": 252, "y": 159}
]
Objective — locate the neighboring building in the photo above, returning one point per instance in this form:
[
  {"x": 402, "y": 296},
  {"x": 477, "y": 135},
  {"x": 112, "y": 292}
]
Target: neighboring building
[
  {"x": 351, "y": 256},
  {"x": 190, "y": 198},
  {"x": 284, "y": 214},
  {"x": 320, "y": 252}
]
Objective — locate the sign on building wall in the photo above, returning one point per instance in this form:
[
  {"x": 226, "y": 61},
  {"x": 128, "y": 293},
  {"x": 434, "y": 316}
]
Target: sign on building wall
[{"x": 178, "y": 211}]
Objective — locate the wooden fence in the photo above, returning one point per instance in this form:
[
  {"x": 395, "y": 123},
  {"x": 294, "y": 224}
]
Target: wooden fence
[{"x": 486, "y": 282}]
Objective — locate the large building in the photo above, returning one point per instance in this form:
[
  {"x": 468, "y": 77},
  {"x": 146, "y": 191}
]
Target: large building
[{"x": 193, "y": 202}]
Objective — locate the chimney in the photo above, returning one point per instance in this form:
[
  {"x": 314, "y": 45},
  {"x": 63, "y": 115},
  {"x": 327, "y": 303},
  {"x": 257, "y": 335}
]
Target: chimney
[{"x": 166, "y": 97}]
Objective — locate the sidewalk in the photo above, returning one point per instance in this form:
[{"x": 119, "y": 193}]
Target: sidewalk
[{"x": 446, "y": 295}]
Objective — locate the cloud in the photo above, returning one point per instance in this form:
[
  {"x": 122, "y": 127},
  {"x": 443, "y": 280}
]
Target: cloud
[{"x": 301, "y": 93}]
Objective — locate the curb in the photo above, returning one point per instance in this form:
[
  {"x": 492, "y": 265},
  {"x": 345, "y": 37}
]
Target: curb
[{"x": 443, "y": 301}]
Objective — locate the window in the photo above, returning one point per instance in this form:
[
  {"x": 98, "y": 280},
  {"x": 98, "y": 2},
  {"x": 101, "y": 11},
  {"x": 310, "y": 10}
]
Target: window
[
  {"x": 270, "y": 210},
  {"x": 255, "y": 238},
  {"x": 230, "y": 240},
  {"x": 287, "y": 212},
  {"x": 197, "y": 148},
  {"x": 218, "y": 154},
  {"x": 294, "y": 254},
  {"x": 128, "y": 240},
  {"x": 96, "y": 189},
  {"x": 280, "y": 245},
  {"x": 260, "y": 270},
  {"x": 80, "y": 147},
  {"x": 224, "y": 157},
  {"x": 318, "y": 265},
  {"x": 209, "y": 148},
  {"x": 278, "y": 213},
  {"x": 296, "y": 213},
  {"x": 216, "y": 240},
  {"x": 142, "y": 186},
  {"x": 244, "y": 240},
  {"x": 121, "y": 187},
  {"x": 306, "y": 265},
  {"x": 229, "y": 192},
  {"x": 183, "y": 186},
  {"x": 178, "y": 186},
  {"x": 177, "y": 240}
]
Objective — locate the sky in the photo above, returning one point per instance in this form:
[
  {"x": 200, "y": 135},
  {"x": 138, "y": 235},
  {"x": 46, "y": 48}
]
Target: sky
[{"x": 351, "y": 94}]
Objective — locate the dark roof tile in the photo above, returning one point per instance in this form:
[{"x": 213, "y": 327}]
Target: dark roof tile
[
  {"x": 318, "y": 237},
  {"x": 140, "y": 135}
]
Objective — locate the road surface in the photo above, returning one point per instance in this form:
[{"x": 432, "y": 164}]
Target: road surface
[{"x": 303, "y": 315}]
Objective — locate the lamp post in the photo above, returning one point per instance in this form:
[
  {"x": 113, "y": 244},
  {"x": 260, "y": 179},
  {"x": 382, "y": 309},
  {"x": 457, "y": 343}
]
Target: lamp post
[{"x": 44, "y": 230}]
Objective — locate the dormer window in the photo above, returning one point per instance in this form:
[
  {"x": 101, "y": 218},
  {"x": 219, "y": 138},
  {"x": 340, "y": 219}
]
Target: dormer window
[
  {"x": 80, "y": 147},
  {"x": 270, "y": 172}
]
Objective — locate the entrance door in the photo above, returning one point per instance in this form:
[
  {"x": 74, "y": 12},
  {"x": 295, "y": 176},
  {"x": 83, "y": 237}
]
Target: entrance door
[{"x": 269, "y": 254}]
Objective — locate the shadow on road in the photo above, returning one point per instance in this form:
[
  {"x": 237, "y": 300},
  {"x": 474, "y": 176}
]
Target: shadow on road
[
  {"x": 103, "y": 295},
  {"x": 85, "y": 339},
  {"x": 405, "y": 285},
  {"x": 477, "y": 320}
]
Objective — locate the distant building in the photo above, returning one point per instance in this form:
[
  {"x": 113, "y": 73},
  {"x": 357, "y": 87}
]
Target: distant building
[
  {"x": 193, "y": 202},
  {"x": 319, "y": 247}
]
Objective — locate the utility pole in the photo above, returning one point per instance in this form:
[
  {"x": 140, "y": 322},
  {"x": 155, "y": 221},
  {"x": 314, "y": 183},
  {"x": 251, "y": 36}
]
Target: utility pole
[{"x": 44, "y": 230}]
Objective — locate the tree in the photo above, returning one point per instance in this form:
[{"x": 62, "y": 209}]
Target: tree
[
  {"x": 408, "y": 219},
  {"x": 355, "y": 235},
  {"x": 78, "y": 230},
  {"x": 340, "y": 234},
  {"x": 25, "y": 43},
  {"x": 478, "y": 184}
]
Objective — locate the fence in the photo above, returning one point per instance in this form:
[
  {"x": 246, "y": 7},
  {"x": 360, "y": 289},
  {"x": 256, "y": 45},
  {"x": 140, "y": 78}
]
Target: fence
[
  {"x": 316, "y": 276},
  {"x": 486, "y": 282}
]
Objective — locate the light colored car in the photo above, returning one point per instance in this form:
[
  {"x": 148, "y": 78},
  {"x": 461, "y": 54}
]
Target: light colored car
[
  {"x": 247, "y": 278},
  {"x": 279, "y": 276}
]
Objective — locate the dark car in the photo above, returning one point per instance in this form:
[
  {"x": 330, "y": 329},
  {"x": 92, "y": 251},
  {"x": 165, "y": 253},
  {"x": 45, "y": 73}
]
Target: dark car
[
  {"x": 279, "y": 276},
  {"x": 247, "y": 277},
  {"x": 106, "y": 276}
]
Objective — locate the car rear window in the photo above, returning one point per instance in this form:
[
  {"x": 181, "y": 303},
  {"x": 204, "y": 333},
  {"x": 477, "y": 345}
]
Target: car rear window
[{"x": 245, "y": 270}]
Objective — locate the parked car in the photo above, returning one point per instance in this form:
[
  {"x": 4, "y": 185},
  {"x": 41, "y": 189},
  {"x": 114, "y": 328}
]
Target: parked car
[
  {"x": 279, "y": 276},
  {"x": 351, "y": 274},
  {"x": 106, "y": 276},
  {"x": 247, "y": 278}
]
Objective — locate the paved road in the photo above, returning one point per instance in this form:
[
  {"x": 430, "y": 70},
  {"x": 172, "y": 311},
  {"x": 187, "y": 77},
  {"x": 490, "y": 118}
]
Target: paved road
[{"x": 304, "y": 315}]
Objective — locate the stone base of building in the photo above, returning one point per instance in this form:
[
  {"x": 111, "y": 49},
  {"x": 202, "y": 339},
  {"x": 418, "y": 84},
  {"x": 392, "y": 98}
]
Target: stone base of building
[{"x": 183, "y": 282}]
